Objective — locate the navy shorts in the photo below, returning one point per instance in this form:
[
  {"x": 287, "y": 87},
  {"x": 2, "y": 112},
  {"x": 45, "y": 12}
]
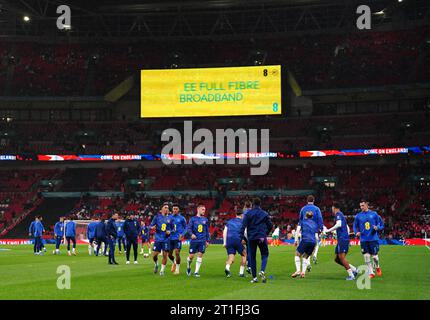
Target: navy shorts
[
  {"x": 234, "y": 247},
  {"x": 161, "y": 245},
  {"x": 371, "y": 247},
  {"x": 197, "y": 246},
  {"x": 306, "y": 247},
  {"x": 145, "y": 239},
  {"x": 342, "y": 246},
  {"x": 175, "y": 244}
]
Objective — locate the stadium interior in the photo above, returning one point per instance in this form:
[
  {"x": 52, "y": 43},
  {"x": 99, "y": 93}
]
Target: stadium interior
[{"x": 76, "y": 92}]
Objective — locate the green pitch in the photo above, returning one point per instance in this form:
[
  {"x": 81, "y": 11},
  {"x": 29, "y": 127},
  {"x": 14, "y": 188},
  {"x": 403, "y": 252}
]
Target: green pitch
[{"x": 26, "y": 276}]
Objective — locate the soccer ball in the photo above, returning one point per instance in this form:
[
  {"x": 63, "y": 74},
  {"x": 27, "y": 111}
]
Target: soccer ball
[{"x": 146, "y": 255}]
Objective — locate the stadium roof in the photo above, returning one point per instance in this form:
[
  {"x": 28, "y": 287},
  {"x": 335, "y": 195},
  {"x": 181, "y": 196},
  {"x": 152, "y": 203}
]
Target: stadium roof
[
  {"x": 158, "y": 19},
  {"x": 47, "y": 7},
  {"x": 135, "y": 5}
]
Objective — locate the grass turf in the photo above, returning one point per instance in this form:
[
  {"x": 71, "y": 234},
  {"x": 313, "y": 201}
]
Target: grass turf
[{"x": 26, "y": 276}]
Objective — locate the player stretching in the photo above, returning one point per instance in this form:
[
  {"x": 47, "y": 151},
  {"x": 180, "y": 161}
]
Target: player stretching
[
  {"x": 307, "y": 243},
  {"x": 144, "y": 234},
  {"x": 199, "y": 230},
  {"x": 233, "y": 243},
  {"x": 317, "y": 217},
  {"x": 342, "y": 232},
  {"x": 91, "y": 235},
  {"x": 179, "y": 227},
  {"x": 162, "y": 223},
  {"x": 366, "y": 226},
  {"x": 59, "y": 234}
]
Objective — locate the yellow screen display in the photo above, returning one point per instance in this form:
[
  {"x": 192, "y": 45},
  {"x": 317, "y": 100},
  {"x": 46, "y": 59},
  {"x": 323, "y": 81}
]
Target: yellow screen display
[{"x": 236, "y": 91}]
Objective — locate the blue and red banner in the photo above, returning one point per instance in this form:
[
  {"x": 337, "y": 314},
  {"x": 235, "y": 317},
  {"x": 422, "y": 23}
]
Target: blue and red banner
[{"x": 424, "y": 150}]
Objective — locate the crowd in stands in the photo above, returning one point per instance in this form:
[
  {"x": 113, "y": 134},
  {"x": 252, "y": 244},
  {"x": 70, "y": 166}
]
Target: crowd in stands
[
  {"x": 416, "y": 219},
  {"x": 11, "y": 205},
  {"x": 18, "y": 194},
  {"x": 142, "y": 207},
  {"x": 403, "y": 202},
  {"x": 318, "y": 61},
  {"x": 46, "y": 69},
  {"x": 359, "y": 59},
  {"x": 282, "y": 209}
]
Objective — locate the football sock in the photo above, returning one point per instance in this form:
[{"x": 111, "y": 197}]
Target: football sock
[
  {"x": 198, "y": 264},
  {"x": 163, "y": 266},
  {"x": 376, "y": 261},
  {"x": 316, "y": 251},
  {"x": 297, "y": 261},
  {"x": 368, "y": 263},
  {"x": 241, "y": 270},
  {"x": 354, "y": 269},
  {"x": 227, "y": 267},
  {"x": 305, "y": 265},
  {"x": 264, "y": 263}
]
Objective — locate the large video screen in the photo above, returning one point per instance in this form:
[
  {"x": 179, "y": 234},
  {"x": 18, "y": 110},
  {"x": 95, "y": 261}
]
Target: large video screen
[{"x": 203, "y": 92}]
